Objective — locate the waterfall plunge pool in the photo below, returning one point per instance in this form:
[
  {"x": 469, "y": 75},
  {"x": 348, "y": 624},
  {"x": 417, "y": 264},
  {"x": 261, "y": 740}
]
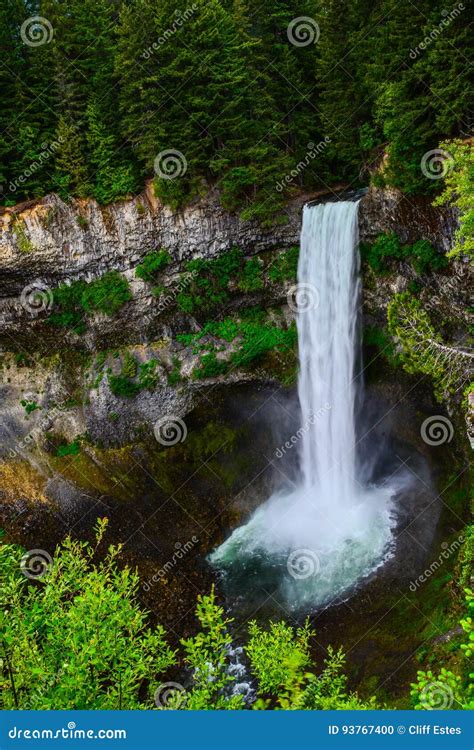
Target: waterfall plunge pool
[{"x": 309, "y": 544}]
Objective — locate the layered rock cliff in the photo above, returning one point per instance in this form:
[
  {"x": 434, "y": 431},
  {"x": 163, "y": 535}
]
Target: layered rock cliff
[{"x": 48, "y": 242}]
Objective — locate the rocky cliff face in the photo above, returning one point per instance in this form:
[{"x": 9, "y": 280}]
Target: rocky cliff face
[{"x": 49, "y": 242}]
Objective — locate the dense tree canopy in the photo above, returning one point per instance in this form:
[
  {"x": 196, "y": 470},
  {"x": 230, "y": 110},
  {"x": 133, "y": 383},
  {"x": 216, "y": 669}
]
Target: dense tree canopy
[{"x": 97, "y": 95}]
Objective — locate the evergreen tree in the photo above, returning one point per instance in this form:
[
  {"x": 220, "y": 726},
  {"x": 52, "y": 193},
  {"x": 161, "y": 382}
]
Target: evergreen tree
[
  {"x": 71, "y": 175},
  {"x": 215, "y": 93}
]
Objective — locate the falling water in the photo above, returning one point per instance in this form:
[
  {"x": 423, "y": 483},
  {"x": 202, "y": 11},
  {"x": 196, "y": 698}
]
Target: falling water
[
  {"x": 311, "y": 544},
  {"x": 327, "y": 331}
]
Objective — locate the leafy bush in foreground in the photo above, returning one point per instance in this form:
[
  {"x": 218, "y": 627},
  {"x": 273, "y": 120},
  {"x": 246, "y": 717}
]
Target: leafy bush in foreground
[{"x": 77, "y": 638}]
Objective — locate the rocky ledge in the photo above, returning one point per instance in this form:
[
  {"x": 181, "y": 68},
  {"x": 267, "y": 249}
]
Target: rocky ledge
[{"x": 49, "y": 242}]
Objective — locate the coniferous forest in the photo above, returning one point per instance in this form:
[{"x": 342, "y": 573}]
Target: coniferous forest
[{"x": 104, "y": 87}]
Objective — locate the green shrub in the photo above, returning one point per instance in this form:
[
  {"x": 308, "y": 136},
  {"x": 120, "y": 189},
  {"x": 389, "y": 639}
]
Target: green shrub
[
  {"x": 458, "y": 191},
  {"x": 452, "y": 690},
  {"x": 251, "y": 277},
  {"x": 83, "y": 599},
  {"x": 25, "y": 245},
  {"x": 256, "y": 336},
  {"x": 466, "y": 557},
  {"x": 421, "y": 348},
  {"x": 29, "y": 406},
  {"x": 209, "y": 282},
  {"x": 129, "y": 365},
  {"x": 152, "y": 265},
  {"x": 285, "y": 266},
  {"x": 386, "y": 248},
  {"x": 174, "y": 377},
  {"x": 68, "y": 311},
  {"x": 78, "y": 639},
  {"x": 123, "y": 387},
  {"x": 72, "y": 302},
  {"x": 106, "y": 294},
  {"x": 82, "y": 221},
  {"x": 68, "y": 449},
  {"x": 147, "y": 376},
  {"x": 425, "y": 257},
  {"x": 158, "y": 290},
  {"x": 260, "y": 339},
  {"x": 22, "y": 360}
]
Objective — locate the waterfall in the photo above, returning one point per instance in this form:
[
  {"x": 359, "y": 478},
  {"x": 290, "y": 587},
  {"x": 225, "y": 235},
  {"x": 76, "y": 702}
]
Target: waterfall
[
  {"x": 328, "y": 347},
  {"x": 313, "y": 543}
]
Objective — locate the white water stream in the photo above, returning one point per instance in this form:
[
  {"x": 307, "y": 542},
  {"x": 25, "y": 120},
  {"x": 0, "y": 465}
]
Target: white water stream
[{"x": 329, "y": 531}]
